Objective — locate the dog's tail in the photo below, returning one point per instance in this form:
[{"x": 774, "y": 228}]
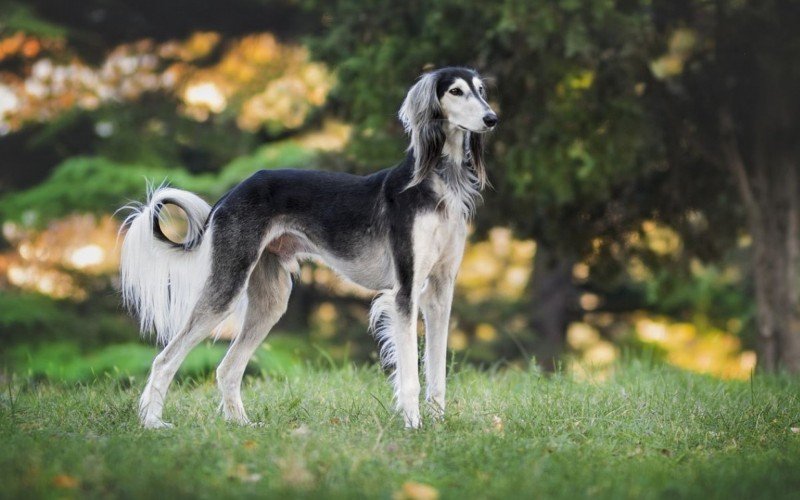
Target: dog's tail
[{"x": 160, "y": 279}]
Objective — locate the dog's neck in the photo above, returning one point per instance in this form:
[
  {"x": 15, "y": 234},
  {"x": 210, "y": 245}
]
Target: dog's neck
[
  {"x": 456, "y": 180},
  {"x": 453, "y": 148}
]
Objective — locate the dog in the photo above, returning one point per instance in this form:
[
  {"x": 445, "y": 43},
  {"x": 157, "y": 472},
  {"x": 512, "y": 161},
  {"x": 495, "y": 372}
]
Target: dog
[{"x": 399, "y": 231}]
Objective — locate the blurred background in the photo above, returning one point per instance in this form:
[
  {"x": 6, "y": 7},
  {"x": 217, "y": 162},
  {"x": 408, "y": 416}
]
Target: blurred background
[{"x": 645, "y": 186}]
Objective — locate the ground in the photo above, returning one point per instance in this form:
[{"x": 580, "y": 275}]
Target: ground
[{"x": 646, "y": 432}]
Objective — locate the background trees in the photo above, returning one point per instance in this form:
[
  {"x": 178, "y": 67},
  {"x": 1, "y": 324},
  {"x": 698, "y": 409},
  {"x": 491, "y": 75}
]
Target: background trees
[
  {"x": 726, "y": 105},
  {"x": 647, "y": 147}
]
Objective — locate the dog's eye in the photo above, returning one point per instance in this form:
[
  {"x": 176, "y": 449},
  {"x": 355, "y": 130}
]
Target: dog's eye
[{"x": 456, "y": 91}]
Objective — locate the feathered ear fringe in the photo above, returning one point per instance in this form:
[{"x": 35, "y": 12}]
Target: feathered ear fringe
[
  {"x": 421, "y": 115},
  {"x": 476, "y": 147}
]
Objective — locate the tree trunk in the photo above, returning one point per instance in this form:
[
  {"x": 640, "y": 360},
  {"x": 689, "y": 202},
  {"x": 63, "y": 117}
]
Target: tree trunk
[
  {"x": 553, "y": 295},
  {"x": 775, "y": 254}
]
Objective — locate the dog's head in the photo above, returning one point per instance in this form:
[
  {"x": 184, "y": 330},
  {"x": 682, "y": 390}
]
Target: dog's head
[{"x": 443, "y": 100}]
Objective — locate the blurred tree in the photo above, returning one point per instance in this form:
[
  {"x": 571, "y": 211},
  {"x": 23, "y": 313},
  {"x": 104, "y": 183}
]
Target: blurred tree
[
  {"x": 571, "y": 144},
  {"x": 127, "y": 81},
  {"x": 600, "y": 131},
  {"x": 726, "y": 99}
]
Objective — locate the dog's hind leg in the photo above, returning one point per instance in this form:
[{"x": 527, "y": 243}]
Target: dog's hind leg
[
  {"x": 166, "y": 364},
  {"x": 229, "y": 274},
  {"x": 267, "y": 295}
]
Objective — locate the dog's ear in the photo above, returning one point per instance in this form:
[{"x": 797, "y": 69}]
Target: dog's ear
[
  {"x": 421, "y": 115},
  {"x": 476, "y": 147}
]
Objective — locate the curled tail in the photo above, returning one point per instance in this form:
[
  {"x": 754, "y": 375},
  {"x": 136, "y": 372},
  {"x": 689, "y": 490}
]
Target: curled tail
[{"x": 160, "y": 279}]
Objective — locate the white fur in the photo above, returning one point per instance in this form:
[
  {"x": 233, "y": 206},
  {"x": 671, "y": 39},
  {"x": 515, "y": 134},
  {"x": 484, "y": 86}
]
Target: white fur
[
  {"x": 467, "y": 110},
  {"x": 460, "y": 191},
  {"x": 383, "y": 323},
  {"x": 159, "y": 282}
]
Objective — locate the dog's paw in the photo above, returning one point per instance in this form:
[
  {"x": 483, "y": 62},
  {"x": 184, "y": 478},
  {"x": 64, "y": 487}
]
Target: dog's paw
[
  {"x": 412, "y": 419},
  {"x": 155, "y": 423},
  {"x": 235, "y": 414}
]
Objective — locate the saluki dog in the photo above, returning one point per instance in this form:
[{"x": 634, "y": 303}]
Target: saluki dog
[{"x": 400, "y": 232}]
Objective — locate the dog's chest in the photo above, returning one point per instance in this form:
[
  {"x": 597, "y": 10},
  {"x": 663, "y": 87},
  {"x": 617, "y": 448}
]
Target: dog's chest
[{"x": 437, "y": 235}]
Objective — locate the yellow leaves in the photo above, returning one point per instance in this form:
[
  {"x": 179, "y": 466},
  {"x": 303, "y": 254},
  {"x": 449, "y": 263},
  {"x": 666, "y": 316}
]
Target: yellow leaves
[
  {"x": 581, "y": 336},
  {"x": 416, "y": 491},
  {"x": 594, "y": 356},
  {"x": 200, "y": 44},
  {"x": 714, "y": 352},
  {"x": 485, "y": 332},
  {"x": 589, "y": 301},
  {"x": 581, "y": 81},
  {"x": 77, "y": 242},
  {"x": 65, "y": 482},
  {"x": 680, "y": 48},
  {"x": 333, "y": 136},
  {"x": 323, "y": 320},
  {"x": 261, "y": 80},
  {"x": 205, "y": 96},
  {"x": 660, "y": 239},
  {"x": 264, "y": 81},
  {"x": 575, "y": 83},
  {"x": 26, "y": 46},
  {"x": 457, "y": 340},
  {"x": 287, "y": 100},
  {"x": 667, "y": 66},
  {"x": 498, "y": 267}
]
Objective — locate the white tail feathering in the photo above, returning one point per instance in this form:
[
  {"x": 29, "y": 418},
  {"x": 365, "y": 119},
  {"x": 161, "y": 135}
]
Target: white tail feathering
[
  {"x": 383, "y": 324},
  {"x": 161, "y": 281}
]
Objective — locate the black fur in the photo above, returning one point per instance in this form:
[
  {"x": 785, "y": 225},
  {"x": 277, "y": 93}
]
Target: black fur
[{"x": 335, "y": 211}]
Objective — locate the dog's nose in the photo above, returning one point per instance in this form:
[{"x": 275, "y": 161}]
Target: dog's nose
[{"x": 490, "y": 120}]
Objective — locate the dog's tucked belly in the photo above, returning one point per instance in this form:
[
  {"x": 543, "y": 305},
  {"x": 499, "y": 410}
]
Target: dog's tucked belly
[
  {"x": 371, "y": 267},
  {"x": 286, "y": 246}
]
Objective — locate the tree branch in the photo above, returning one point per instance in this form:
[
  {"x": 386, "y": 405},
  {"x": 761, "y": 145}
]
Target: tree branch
[{"x": 735, "y": 163}]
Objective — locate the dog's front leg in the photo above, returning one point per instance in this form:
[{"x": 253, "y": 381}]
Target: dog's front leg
[
  {"x": 406, "y": 378},
  {"x": 436, "y": 303}
]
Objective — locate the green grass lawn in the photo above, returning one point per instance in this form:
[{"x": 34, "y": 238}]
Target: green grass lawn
[{"x": 647, "y": 432}]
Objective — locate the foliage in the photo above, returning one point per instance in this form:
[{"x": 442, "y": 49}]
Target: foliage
[
  {"x": 613, "y": 115},
  {"x": 66, "y": 362},
  {"x": 572, "y": 116},
  {"x": 648, "y": 432},
  {"x": 99, "y": 185},
  {"x": 608, "y": 109},
  {"x": 33, "y": 319}
]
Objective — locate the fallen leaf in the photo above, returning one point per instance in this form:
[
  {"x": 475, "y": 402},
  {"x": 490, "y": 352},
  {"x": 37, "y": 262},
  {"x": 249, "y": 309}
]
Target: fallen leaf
[
  {"x": 416, "y": 491},
  {"x": 636, "y": 451},
  {"x": 294, "y": 473},
  {"x": 302, "y": 430},
  {"x": 241, "y": 473},
  {"x": 497, "y": 423},
  {"x": 65, "y": 482},
  {"x": 795, "y": 430}
]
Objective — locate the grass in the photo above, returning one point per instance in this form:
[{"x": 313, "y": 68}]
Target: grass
[{"x": 648, "y": 432}]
